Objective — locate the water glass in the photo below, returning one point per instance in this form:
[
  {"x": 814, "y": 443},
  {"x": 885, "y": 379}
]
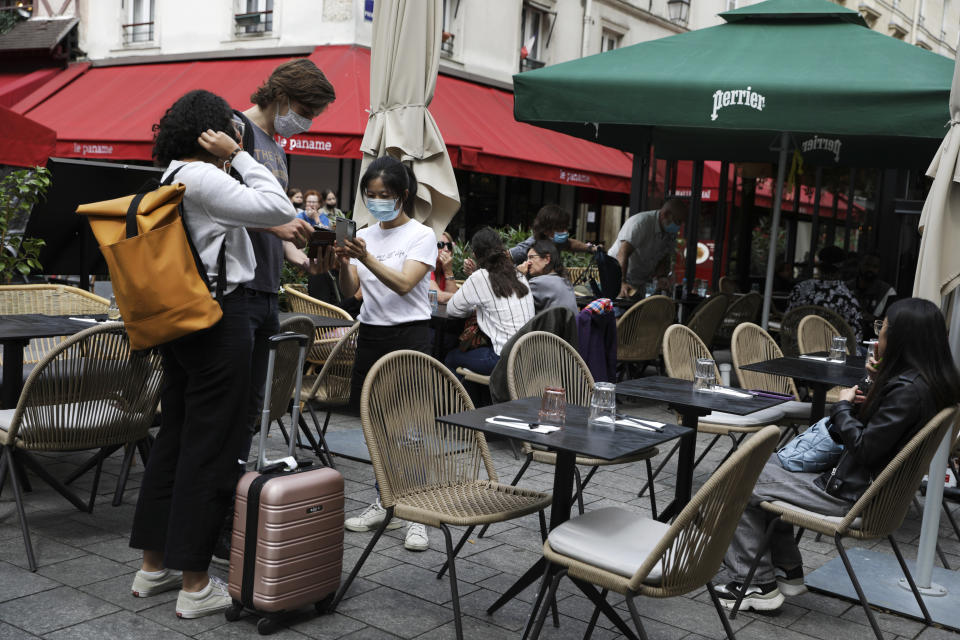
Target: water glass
[
  {"x": 650, "y": 290},
  {"x": 838, "y": 349},
  {"x": 603, "y": 401},
  {"x": 705, "y": 374},
  {"x": 702, "y": 288},
  {"x": 113, "y": 311},
  {"x": 553, "y": 406},
  {"x": 877, "y": 326},
  {"x": 434, "y": 300},
  {"x": 867, "y": 382}
]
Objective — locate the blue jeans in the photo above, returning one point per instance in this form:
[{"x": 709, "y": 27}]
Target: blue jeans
[{"x": 481, "y": 360}]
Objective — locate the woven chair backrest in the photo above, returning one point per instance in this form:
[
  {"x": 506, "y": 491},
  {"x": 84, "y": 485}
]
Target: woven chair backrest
[
  {"x": 285, "y": 366},
  {"x": 403, "y": 394},
  {"x": 708, "y": 316},
  {"x": 746, "y": 308},
  {"x": 640, "y": 329},
  {"x": 324, "y": 338},
  {"x": 539, "y": 360},
  {"x": 681, "y": 348},
  {"x": 691, "y": 551},
  {"x": 751, "y": 344},
  {"x": 885, "y": 503},
  {"x": 332, "y": 384},
  {"x": 790, "y": 326},
  {"x": 727, "y": 285},
  {"x": 816, "y": 334},
  {"x": 90, "y": 391}
]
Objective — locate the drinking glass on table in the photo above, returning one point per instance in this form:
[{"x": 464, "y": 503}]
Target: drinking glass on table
[
  {"x": 867, "y": 381},
  {"x": 603, "y": 401},
  {"x": 704, "y": 374},
  {"x": 838, "y": 349},
  {"x": 113, "y": 311},
  {"x": 553, "y": 406}
]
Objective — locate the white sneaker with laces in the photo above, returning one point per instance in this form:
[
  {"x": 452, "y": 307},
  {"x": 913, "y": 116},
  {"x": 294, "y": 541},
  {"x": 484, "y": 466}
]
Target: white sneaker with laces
[
  {"x": 416, "y": 539},
  {"x": 150, "y": 583},
  {"x": 213, "y": 598},
  {"x": 371, "y": 518}
]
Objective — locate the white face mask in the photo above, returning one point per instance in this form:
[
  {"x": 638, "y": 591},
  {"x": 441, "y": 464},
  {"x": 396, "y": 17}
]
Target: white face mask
[{"x": 291, "y": 123}]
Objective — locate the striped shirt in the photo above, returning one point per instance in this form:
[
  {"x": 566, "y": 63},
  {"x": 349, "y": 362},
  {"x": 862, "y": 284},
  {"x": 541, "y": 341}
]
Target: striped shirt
[{"x": 499, "y": 318}]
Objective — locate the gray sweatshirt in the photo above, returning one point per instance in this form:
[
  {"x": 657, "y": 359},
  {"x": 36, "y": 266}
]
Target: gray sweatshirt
[{"x": 550, "y": 290}]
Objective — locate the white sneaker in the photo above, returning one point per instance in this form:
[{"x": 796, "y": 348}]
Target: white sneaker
[
  {"x": 416, "y": 539},
  {"x": 213, "y": 598},
  {"x": 371, "y": 518},
  {"x": 150, "y": 583}
]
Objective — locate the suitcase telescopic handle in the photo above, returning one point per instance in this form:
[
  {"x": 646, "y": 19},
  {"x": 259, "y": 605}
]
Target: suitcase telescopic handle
[{"x": 274, "y": 342}]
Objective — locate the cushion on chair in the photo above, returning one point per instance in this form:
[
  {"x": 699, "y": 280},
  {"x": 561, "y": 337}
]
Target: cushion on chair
[
  {"x": 102, "y": 419},
  {"x": 612, "y": 539},
  {"x": 856, "y": 524},
  {"x": 773, "y": 415}
]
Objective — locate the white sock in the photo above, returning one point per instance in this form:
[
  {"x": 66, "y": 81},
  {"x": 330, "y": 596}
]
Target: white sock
[{"x": 154, "y": 574}]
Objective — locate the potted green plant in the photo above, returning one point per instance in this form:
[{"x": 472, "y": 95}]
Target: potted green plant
[{"x": 20, "y": 190}]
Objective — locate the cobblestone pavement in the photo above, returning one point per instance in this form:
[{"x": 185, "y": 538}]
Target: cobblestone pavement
[{"x": 82, "y": 587}]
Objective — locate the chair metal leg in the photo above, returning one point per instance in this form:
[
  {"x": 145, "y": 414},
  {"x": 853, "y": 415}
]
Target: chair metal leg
[
  {"x": 946, "y": 510},
  {"x": 719, "y": 608},
  {"x": 318, "y": 447},
  {"x": 18, "y": 497},
  {"x": 593, "y": 618},
  {"x": 767, "y": 536},
  {"x": 541, "y": 592},
  {"x": 706, "y": 451},
  {"x": 454, "y": 592},
  {"x": 541, "y": 516},
  {"x": 660, "y": 467},
  {"x": 96, "y": 483},
  {"x": 363, "y": 558},
  {"x": 463, "y": 541},
  {"x": 131, "y": 450},
  {"x": 594, "y": 596},
  {"x": 913, "y": 585},
  {"x": 542, "y": 617},
  {"x": 857, "y": 587},
  {"x": 90, "y": 463},
  {"x": 514, "y": 448},
  {"x": 45, "y": 475},
  {"x": 513, "y": 483},
  {"x": 799, "y": 535},
  {"x": 637, "y": 622},
  {"x": 143, "y": 447},
  {"x": 653, "y": 497},
  {"x": 3, "y": 473},
  {"x": 583, "y": 484},
  {"x": 579, "y": 485}
]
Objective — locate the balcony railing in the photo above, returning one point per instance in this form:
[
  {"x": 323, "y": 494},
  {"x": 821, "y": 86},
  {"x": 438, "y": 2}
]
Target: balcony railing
[
  {"x": 526, "y": 64},
  {"x": 253, "y": 22},
  {"x": 136, "y": 32}
]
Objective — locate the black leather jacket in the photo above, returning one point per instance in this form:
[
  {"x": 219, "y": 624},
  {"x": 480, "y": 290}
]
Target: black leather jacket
[{"x": 907, "y": 404}]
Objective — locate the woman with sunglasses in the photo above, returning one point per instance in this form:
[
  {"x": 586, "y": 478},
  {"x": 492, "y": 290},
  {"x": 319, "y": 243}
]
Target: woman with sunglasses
[
  {"x": 389, "y": 261},
  {"x": 442, "y": 280}
]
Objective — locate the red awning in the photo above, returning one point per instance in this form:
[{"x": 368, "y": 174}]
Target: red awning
[
  {"x": 23, "y": 142},
  {"x": 14, "y": 86},
  {"x": 108, "y": 112}
]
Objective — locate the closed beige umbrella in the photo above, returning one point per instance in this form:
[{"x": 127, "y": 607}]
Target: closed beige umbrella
[{"x": 404, "y": 59}]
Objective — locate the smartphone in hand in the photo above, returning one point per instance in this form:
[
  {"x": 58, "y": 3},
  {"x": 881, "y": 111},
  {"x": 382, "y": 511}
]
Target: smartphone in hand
[{"x": 346, "y": 230}]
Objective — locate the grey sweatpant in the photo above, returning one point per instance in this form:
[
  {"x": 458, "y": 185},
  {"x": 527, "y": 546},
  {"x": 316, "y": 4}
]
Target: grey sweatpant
[{"x": 775, "y": 483}]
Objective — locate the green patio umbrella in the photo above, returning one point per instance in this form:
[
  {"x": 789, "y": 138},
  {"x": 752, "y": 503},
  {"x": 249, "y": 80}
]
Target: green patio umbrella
[{"x": 781, "y": 74}]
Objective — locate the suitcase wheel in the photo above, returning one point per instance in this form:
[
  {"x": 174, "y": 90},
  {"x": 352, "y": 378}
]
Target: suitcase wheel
[
  {"x": 323, "y": 607},
  {"x": 233, "y": 613},
  {"x": 266, "y": 626}
]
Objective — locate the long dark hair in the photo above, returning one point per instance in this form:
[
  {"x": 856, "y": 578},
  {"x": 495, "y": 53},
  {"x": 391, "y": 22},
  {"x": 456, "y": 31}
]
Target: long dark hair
[
  {"x": 916, "y": 339},
  {"x": 396, "y": 176},
  {"x": 504, "y": 279},
  {"x": 548, "y": 248}
]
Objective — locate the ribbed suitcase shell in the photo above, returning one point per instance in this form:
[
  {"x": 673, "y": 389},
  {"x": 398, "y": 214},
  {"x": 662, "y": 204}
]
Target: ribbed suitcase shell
[{"x": 299, "y": 548}]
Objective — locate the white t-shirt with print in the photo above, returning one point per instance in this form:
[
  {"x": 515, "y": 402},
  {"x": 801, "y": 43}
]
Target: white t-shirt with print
[{"x": 393, "y": 247}]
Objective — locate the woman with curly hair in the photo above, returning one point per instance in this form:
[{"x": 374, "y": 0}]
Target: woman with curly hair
[{"x": 190, "y": 477}]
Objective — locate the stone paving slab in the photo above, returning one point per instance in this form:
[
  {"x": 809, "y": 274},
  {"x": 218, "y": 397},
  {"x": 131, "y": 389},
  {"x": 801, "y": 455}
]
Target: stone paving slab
[{"x": 82, "y": 588}]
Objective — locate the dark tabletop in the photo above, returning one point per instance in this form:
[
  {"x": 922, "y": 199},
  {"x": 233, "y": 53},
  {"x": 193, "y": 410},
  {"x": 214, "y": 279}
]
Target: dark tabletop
[
  {"x": 319, "y": 322},
  {"x": 575, "y": 435},
  {"x": 680, "y": 392},
  {"x": 816, "y": 371},
  {"x": 36, "y": 325}
]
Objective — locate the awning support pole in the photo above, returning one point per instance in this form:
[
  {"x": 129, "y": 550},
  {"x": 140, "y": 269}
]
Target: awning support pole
[{"x": 774, "y": 228}]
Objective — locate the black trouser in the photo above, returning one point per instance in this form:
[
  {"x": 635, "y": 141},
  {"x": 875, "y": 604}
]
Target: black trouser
[
  {"x": 374, "y": 342},
  {"x": 190, "y": 479}
]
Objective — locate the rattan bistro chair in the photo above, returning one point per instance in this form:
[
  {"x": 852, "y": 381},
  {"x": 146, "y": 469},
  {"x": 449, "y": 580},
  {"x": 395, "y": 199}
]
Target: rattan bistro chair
[
  {"x": 324, "y": 338},
  {"x": 877, "y": 514},
  {"x": 331, "y": 388},
  {"x": 814, "y": 334},
  {"x": 746, "y": 308},
  {"x": 90, "y": 392},
  {"x": 640, "y": 330},
  {"x": 430, "y": 472},
  {"x": 790, "y": 327},
  {"x": 707, "y": 317},
  {"x": 635, "y": 556},
  {"x": 539, "y": 360}
]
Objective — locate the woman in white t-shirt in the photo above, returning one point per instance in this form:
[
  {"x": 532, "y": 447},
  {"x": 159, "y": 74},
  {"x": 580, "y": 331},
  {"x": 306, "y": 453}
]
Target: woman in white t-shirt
[{"x": 390, "y": 262}]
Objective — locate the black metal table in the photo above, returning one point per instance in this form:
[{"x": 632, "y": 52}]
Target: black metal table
[
  {"x": 319, "y": 322},
  {"x": 574, "y": 437},
  {"x": 818, "y": 374},
  {"x": 681, "y": 397},
  {"x": 16, "y": 332}
]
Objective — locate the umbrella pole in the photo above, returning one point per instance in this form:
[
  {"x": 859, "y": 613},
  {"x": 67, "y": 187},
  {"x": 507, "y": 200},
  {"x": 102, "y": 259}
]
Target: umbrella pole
[{"x": 774, "y": 228}]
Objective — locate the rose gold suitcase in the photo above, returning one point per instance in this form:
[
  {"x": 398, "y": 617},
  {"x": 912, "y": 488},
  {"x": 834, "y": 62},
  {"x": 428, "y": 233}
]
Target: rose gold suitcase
[{"x": 287, "y": 547}]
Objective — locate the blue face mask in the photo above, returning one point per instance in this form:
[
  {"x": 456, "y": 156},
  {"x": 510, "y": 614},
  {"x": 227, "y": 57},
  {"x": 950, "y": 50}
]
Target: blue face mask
[
  {"x": 560, "y": 238},
  {"x": 673, "y": 227},
  {"x": 383, "y": 210}
]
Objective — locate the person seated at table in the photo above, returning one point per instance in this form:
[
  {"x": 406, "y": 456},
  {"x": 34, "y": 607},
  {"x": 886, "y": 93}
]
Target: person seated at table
[
  {"x": 501, "y": 297},
  {"x": 914, "y": 376},
  {"x": 829, "y": 290},
  {"x": 548, "y": 278},
  {"x": 551, "y": 223},
  {"x": 296, "y": 198},
  {"x": 190, "y": 478},
  {"x": 311, "y": 210},
  {"x": 873, "y": 294},
  {"x": 441, "y": 279}
]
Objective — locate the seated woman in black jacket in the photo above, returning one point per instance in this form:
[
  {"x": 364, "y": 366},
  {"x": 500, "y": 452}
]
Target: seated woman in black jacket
[{"x": 914, "y": 377}]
